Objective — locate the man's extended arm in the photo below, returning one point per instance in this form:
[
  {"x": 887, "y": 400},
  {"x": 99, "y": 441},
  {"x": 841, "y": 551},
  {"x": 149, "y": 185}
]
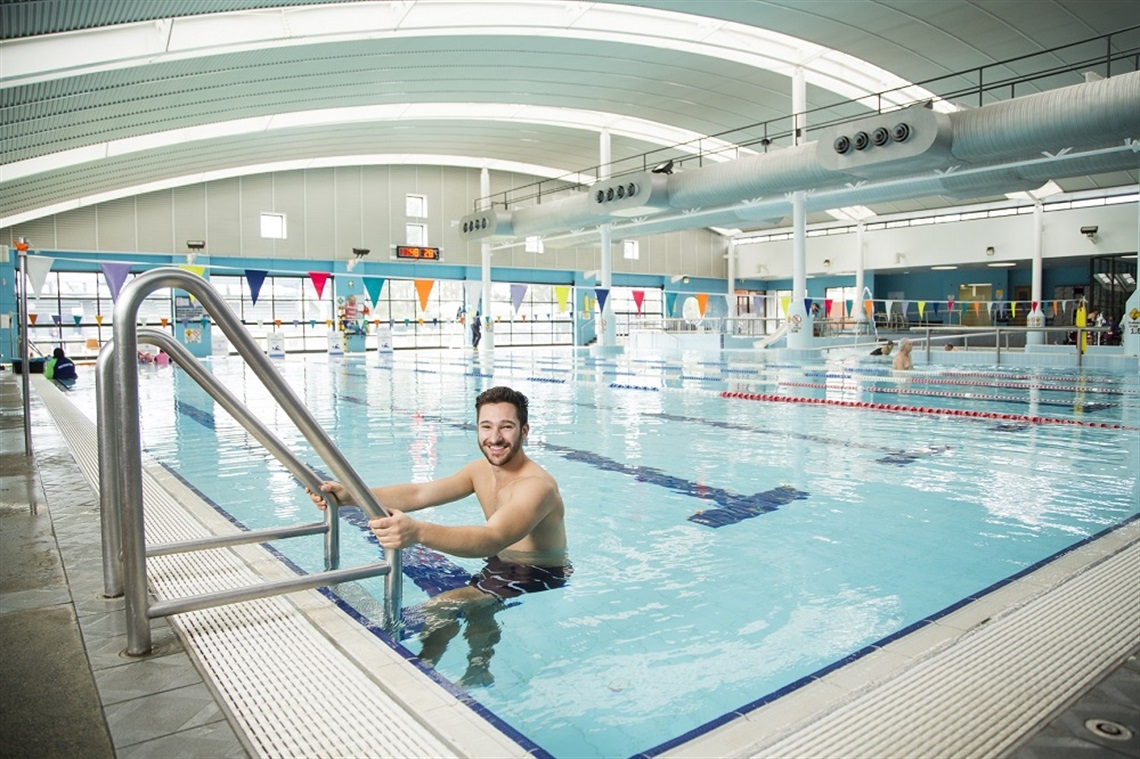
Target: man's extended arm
[
  {"x": 526, "y": 505},
  {"x": 410, "y": 496}
]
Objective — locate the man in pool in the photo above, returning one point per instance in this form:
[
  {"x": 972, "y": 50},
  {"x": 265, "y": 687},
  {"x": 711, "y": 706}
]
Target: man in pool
[
  {"x": 903, "y": 360},
  {"x": 524, "y": 535}
]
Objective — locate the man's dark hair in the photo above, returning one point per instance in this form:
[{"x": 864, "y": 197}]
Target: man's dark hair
[
  {"x": 58, "y": 353},
  {"x": 504, "y": 394}
]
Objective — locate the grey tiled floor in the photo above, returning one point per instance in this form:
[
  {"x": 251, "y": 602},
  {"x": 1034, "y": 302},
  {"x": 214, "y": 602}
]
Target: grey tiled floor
[
  {"x": 158, "y": 706},
  {"x": 51, "y": 584}
]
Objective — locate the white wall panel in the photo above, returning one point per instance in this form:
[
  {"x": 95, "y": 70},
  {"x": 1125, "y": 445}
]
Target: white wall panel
[
  {"x": 223, "y": 209},
  {"x": 257, "y": 198},
  {"x": 156, "y": 223},
  {"x": 320, "y": 204}
]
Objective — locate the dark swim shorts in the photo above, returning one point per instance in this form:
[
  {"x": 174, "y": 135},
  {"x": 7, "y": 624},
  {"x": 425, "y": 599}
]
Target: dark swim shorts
[{"x": 505, "y": 580}]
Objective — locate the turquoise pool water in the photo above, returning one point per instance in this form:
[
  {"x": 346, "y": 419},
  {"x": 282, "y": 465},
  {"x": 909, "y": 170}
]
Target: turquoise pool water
[{"x": 735, "y": 526}]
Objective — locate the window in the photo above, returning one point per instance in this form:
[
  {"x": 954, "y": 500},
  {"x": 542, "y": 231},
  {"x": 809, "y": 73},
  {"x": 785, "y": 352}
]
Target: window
[
  {"x": 534, "y": 244},
  {"x": 415, "y": 234},
  {"x": 273, "y": 226},
  {"x": 630, "y": 250},
  {"x": 415, "y": 206}
]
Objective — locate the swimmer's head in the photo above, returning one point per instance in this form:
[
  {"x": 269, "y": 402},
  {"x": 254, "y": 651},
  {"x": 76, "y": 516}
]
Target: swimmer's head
[{"x": 504, "y": 394}]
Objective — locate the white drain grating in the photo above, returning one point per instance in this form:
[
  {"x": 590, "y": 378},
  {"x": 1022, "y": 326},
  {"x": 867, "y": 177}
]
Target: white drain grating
[{"x": 291, "y": 691}]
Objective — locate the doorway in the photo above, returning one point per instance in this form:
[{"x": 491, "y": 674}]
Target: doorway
[{"x": 975, "y": 300}]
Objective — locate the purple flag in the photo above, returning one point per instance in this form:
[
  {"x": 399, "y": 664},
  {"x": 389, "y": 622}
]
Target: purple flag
[
  {"x": 517, "y": 293},
  {"x": 116, "y": 275}
]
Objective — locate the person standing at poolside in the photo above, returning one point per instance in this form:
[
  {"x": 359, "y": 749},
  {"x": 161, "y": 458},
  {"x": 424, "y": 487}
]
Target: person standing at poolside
[
  {"x": 524, "y": 535},
  {"x": 903, "y": 360}
]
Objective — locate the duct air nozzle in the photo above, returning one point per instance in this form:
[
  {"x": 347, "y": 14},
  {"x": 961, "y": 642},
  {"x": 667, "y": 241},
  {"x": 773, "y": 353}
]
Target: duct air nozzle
[
  {"x": 885, "y": 144},
  {"x": 627, "y": 196},
  {"x": 489, "y": 224},
  {"x": 842, "y": 144}
]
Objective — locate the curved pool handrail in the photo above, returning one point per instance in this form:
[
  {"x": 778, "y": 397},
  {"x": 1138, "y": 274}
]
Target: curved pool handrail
[{"x": 123, "y": 396}]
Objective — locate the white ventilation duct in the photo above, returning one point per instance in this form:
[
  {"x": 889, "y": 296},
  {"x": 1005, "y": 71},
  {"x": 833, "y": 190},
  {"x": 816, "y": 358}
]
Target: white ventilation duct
[{"x": 914, "y": 152}]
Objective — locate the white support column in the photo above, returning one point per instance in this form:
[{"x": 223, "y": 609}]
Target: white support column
[
  {"x": 730, "y": 294},
  {"x": 605, "y": 328},
  {"x": 860, "y": 288},
  {"x": 1036, "y": 317},
  {"x": 487, "y": 341},
  {"x": 799, "y": 326}
]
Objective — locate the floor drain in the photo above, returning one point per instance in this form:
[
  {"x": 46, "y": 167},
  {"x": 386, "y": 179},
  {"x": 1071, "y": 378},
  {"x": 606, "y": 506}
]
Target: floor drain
[{"x": 1106, "y": 728}]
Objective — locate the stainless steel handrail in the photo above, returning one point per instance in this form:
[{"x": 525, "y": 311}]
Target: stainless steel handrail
[
  {"x": 117, "y": 395},
  {"x": 999, "y": 332}
]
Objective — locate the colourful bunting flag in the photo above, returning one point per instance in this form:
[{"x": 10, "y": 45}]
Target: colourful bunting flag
[
  {"x": 423, "y": 289},
  {"x": 116, "y": 275},
  {"x": 38, "y": 268},
  {"x": 319, "y": 278},
  {"x": 255, "y": 278},
  {"x": 562, "y": 293},
  {"x": 702, "y": 302},
  {"x": 374, "y": 285},
  {"x": 638, "y": 298},
  {"x": 602, "y": 293},
  {"x": 518, "y": 292}
]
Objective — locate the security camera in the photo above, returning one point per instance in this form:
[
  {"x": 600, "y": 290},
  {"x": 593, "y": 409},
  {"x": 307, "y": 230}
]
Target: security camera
[
  {"x": 360, "y": 252},
  {"x": 1089, "y": 232}
]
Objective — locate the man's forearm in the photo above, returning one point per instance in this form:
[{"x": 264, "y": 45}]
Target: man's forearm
[{"x": 466, "y": 541}]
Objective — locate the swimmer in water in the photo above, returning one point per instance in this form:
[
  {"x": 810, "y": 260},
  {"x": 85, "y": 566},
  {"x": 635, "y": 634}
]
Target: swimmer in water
[
  {"x": 523, "y": 538},
  {"x": 903, "y": 360}
]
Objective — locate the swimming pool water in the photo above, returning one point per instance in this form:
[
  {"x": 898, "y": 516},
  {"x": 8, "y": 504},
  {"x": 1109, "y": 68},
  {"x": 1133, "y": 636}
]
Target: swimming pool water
[{"x": 724, "y": 547}]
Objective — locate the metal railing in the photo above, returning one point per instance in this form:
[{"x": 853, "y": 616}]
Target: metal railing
[
  {"x": 120, "y": 466},
  {"x": 998, "y": 333}
]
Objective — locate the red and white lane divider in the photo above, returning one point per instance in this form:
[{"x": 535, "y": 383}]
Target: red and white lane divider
[{"x": 923, "y": 410}]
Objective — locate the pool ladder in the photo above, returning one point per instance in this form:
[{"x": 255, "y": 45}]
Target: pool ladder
[{"x": 120, "y": 466}]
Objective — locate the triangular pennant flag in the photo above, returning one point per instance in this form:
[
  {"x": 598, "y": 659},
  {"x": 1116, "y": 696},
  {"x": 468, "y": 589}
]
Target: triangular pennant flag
[
  {"x": 38, "y": 268},
  {"x": 255, "y": 278},
  {"x": 849, "y": 305},
  {"x": 602, "y": 293},
  {"x": 518, "y": 292},
  {"x": 99, "y": 319},
  {"x": 423, "y": 288},
  {"x": 1013, "y": 309},
  {"x": 1064, "y": 306},
  {"x": 827, "y": 303},
  {"x": 32, "y": 316},
  {"x": 869, "y": 308},
  {"x": 56, "y": 318},
  {"x": 950, "y": 304},
  {"x": 638, "y": 299},
  {"x": 77, "y": 318},
  {"x": 165, "y": 320},
  {"x": 670, "y": 304},
  {"x": 199, "y": 270},
  {"x": 904, "y": 306},
  {"x": 807, "y": 307},
  {"x": 472, "y": 289},
  {"x": 921, "y": 308},
  {"x": 702, "y": 302},
  {"x": 934, "y": 305},
  {"x": 990, "y": 308},
  {"x": 562, "y": 293},
  {"x": 977, "y": 308},
  {"x": 373, "y": 285},
  {"x": 1054, "y": 308},
  {"x": 319, "y": 278},
  {"x": 116, "y": 275},
  {"x": 785, "y": 303},
  {"x": 890, "y": 304},
  {"x": 1033, "y": 307}
]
